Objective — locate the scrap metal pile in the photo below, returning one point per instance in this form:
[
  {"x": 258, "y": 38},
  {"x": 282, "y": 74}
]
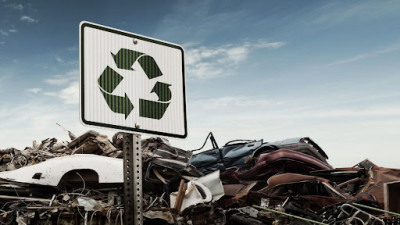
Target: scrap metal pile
[{"x": 243, "y": 182}]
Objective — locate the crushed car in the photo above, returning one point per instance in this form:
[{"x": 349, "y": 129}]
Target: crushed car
[{"x": 237, "y": 153}]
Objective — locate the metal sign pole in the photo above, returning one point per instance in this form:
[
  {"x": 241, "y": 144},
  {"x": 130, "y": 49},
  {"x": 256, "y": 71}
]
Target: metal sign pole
[{"x": 132, "y": 179}]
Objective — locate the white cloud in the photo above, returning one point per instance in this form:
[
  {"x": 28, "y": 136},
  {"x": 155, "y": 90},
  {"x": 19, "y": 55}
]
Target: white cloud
[
  {"x": 70, "y": 95},
  {"x": 57, "y": 80},
  {"x": 206, "y": 62},
  {"x": 50, "y": 93},
  {"x": 28, "y": 19},
  {"x": 6, "y": 33},
  {"x": 269, "y": 45},
  {"x": 63, "y": 79},
  {"x": 37, "y": 121},
  {"x": 190, "y": 44},
  {"x": 15, "y": 6},
  {"x": 70, "y": 81},
  {"x": 259, "y": 108},
  {"x": 366, "y": 55},
  {"x": 34, "y": 90},
  {"x": 228, "y": 103},
  {"x": 59, "y": 59}
]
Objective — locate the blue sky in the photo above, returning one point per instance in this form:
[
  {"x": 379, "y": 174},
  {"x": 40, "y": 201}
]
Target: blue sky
[{"x": 255, "y": 69}]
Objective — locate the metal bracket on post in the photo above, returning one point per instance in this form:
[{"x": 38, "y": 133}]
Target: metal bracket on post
[{"x": 132, "y": 179}]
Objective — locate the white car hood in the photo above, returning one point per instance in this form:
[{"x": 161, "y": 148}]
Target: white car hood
[{"x": 109, "y": 170}]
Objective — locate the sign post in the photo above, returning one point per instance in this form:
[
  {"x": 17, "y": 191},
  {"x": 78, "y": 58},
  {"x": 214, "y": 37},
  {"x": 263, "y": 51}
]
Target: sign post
[
  {"x": 133, "y": 179},
  {"x": 135, "y": 84}
]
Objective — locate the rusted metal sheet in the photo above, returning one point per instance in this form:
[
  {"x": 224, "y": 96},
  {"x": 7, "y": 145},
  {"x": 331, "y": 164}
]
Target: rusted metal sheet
[
  {"x": 280, "y": 161},
  {"x": 239, "y": 193},
  {"x": 377, "y": 177},
  {"x": 392, "y": 196}
]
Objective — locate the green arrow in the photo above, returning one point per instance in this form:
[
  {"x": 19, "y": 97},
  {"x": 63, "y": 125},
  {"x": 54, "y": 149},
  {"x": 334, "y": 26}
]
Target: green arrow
[
  {"x": 109, "y": 80},
  {"x": 162, "y": 90},
  {"x": 125, "y": 58},
  {"x": 118, "y": 104},
  {"x": 153, "y": 110},
  {"x": 150, "y": 66}
]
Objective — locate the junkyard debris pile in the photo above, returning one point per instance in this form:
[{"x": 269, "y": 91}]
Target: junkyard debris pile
[{"x": 243, "y": 182}]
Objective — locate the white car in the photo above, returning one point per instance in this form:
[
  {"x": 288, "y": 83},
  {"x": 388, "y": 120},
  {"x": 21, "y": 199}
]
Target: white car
[{"x": 52, "y": 171}]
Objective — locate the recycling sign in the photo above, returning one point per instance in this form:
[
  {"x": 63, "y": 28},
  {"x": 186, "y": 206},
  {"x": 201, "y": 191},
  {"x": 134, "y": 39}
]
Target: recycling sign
[
  {"x": 109, "y": 80},
  {"x": 131, "y": 82}
]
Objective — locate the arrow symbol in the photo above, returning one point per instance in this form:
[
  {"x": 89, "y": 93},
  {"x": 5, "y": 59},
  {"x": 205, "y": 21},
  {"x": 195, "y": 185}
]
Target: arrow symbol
[
  {"x": 162, "y": 91},
  {"x": 119, "y": 104},
  {"x": 125, "y": 58},
  {"x": 151, "y": 109},
  {"x": 150, "y": 67},
  {"x": 108, "y": 81}
]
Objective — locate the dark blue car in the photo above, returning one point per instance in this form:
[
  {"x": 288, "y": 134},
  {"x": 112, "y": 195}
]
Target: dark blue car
[{"x": 239, "y": 153}]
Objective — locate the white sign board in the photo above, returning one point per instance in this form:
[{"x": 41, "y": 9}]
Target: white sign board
[{"x": 131, "y": 82}]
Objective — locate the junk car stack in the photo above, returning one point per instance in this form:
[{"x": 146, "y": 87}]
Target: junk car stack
[{"x": 242, "y": 182}]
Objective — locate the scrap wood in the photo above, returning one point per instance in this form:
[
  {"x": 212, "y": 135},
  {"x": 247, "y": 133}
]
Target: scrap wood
[{"x": 180, "y": 196}]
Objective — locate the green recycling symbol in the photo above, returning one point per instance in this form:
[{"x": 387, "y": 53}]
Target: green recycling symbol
[{"x": 110, "y": 79}]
